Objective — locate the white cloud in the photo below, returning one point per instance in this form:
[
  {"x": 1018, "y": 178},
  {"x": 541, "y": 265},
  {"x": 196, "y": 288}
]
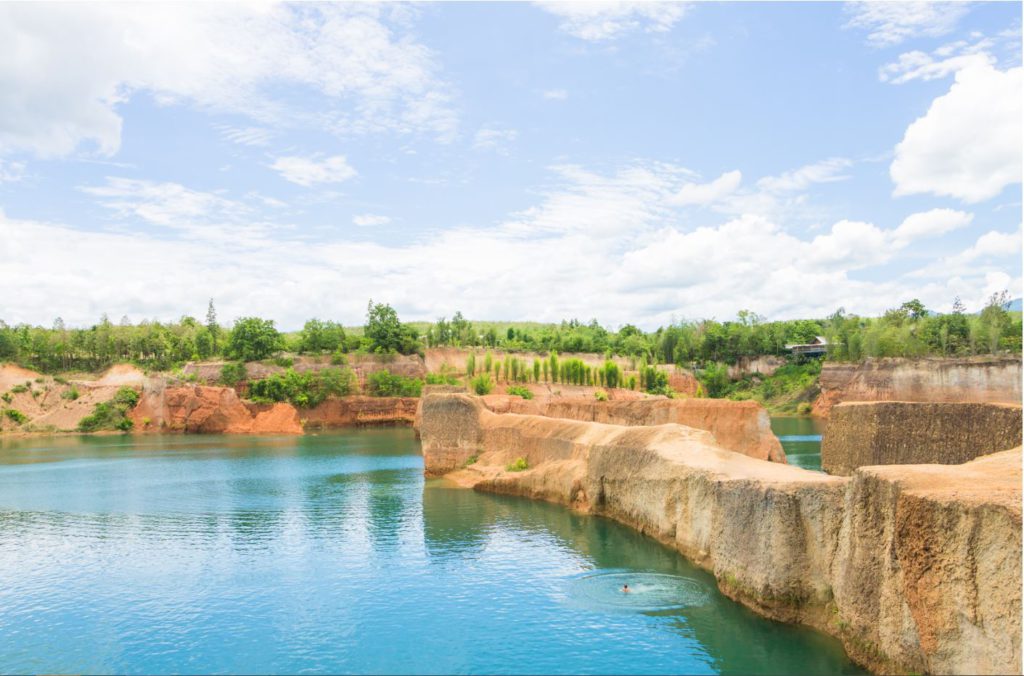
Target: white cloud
[
  {"x": 597, "y": 21},
  {"x": 930, "y": 224},
  {"x": 825, "y": 171},
  {"x": 11, "y": 171},
  {"x": 556, "y": 95},
  {"x": 707, "y": 193},
  {"x": 307, "y": 171},
  {"x": 606, "y": 245},
  {"x": 968, "y": 144},
  {"x": 247, "y": 136},
  {"x": 890, "y": 23},
  {"x": 66, "y": 69},
  {"x": 370, "y": 220},
  {"x": 165, "y": 204},
  {"x": 990, "y": 246},
  {"x": 497, "y": 140}
]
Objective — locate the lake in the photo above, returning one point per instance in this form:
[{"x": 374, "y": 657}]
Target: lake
[
  {"x": 801, "y": 439},
  {"x": 331, "y": 553}
]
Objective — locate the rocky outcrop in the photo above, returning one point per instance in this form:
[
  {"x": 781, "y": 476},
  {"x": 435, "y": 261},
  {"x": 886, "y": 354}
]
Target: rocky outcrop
[
  {"x": 914, "y": 568},
  {"x": 209, "y": 410},
  {"x": 766, "y": 365},
  {"x": 357, "y": 411},
  {"x": 740, "y": 426},
  {"x": 904, "y": 433},
  {"x": 987, "y": 379}
]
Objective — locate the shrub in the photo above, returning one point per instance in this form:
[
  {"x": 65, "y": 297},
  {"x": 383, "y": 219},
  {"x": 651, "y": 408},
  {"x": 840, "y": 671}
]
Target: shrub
[
  {"x": 60, "y": 380},
  {"x": 7, "y": 397},
  {"x": 520, "y": 391},
  {"x": 111, "y": 415},
  {"x": 601, "y": 395},
  {"x": 18, "y": 389},
  {"x": 71, "y": 394},
  {"x": 284, "y": 362},
  {"x": 803, "y": 408},
  {"x": 471, "y": 460},
  {"x": 442, "y": 378},
  {"x": 339, "y": 358},
  {"x": 518, "y": 466},
  {"x": 383, "y": 383},
  {"x": 16, "y": 415},
  {"x": 232, "y": 373},
  {"x": 482, "y": 384},
  {"x": 304, "y": 390}
]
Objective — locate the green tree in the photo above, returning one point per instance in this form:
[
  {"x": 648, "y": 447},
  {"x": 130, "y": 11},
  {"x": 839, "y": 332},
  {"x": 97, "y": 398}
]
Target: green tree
[
  {"x": 253, "y": 338},
  {"x": 212, "y": 328}
]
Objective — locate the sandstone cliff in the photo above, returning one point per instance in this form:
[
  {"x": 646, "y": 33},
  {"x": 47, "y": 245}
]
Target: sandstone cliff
[
  {"x": 355, "y": 411},
  {"x": 903, "y": 433},
  {"x": 741, "y": 426},
  {"x": 969, "y": 379},
  {"x": 209, "y": 410},
  {"x": 914, "y": 568}
]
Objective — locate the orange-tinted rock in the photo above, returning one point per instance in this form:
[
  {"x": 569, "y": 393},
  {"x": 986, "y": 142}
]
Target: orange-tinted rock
[
  {"x": 209, "y": 410},
  {"x": 354, "y": 411}
]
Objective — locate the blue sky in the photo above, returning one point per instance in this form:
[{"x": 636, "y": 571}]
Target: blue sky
[{"x": 630, "y": 162}]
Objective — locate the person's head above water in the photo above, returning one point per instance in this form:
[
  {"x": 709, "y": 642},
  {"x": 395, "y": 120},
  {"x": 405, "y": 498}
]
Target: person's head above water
[{"x": 625, "y": 587}]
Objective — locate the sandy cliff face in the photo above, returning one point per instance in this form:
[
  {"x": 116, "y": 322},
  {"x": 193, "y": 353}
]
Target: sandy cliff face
[
  {"x": 209, "y": 410},
  {"x": 903, "y": 433},
  {"x": 740, "y": 426},
  {"x": 968, "y": 379},
  {"x": 915, "y": 568},
  {"x": 355, "y": 411}
]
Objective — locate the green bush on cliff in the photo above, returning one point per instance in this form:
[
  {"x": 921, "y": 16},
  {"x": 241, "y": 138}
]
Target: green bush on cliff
[
  {"x": 232, "y": 373},
  {"x": 518, "y": 465},
  {"x": 520, "y": 391},
  {"x": 16, "y": 415},
  {"x": 253, "y": 339},
  {"x": 482, "y": 384},
  {"x": 113, "y": 414},
  {"x": 601, "y": 395},
  {"x": 383, "y": 383},
  {"x": 306, "y": 389}
]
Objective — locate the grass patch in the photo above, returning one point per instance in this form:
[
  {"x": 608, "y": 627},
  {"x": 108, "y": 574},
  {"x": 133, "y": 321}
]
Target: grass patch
[
  {"x": 520, "y": 391},
  {"x": 482, "y": 384},
  {"x": 16, "y": 415},
  {"x": 471, "y": 460},
  {"x": 518, "y": 465}
]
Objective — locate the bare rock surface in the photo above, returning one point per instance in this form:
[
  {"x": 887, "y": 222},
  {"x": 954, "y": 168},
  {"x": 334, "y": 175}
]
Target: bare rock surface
[
  {"x": 916, "y": 568},
  {"x": 903, "y": 433},
  {"x": 983, "y": 379}
]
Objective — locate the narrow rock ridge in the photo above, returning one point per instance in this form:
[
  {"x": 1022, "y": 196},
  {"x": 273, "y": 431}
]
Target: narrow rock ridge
[{"x": 916, "y": 568}]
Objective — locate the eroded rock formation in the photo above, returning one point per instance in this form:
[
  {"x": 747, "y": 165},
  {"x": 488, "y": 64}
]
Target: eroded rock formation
[
  {"x": 903, "y": 433},
  {"x": 988, "y": 379},
  {"x": 914, "y": 568},
  {"x": 740, "y": 426},
  {"x": 209, "y": 410}
]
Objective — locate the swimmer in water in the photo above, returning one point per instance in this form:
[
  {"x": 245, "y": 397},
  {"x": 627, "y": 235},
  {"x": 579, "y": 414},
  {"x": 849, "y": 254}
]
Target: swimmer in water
[{"x": 625, "y": 589}]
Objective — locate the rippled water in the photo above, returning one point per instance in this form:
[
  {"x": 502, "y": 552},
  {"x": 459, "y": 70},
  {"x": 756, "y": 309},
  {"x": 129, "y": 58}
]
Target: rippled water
[
  {"x": 332, "y": 554},
  {"x": 801, "y": 439}
]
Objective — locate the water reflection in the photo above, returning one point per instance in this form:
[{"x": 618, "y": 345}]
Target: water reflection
[
  {"x": 801, "y": 439},
  {"x": 329, "y": 554}
]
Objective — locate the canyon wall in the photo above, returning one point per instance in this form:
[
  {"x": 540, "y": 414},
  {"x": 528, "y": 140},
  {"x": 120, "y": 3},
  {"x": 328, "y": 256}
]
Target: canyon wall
[
  {"x": 740, "y": 426},
  {"x": 985, "y": 379},
  {"x": 904, "y": 433},
  {"x": 914, "y": 568},
  {"x": 219, "y": 410}
]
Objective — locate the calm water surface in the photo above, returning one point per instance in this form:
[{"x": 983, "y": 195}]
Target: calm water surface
[
  {"x": 332, "y": 554},
  {"x": 801, "y": 439}
]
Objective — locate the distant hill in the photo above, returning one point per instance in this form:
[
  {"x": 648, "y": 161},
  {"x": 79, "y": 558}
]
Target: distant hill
[{"x": 1015, "y": 305}]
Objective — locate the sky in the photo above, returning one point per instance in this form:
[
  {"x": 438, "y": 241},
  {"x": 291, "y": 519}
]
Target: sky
[{"x": 630, "y": 162}]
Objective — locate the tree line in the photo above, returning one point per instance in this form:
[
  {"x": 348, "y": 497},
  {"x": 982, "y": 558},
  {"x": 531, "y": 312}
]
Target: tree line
[{"x": 907, "y": 330}]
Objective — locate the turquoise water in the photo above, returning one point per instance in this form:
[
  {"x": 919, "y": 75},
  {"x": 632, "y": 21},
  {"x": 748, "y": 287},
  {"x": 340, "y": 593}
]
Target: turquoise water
[
  {"x": 801, "y": 439},
  {"x": 332, "y": 554}
]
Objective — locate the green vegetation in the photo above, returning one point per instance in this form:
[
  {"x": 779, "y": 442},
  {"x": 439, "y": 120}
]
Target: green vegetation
[
  {"x": 319, "y": 336},
  {"x": 383, "y": 383},
  {"x": 18, "y": 389},
  {"x": 17, "y": 416},
  {"x": 232, "y": 373},
  {"x": 306, "y": 389},
  {"x": 442, "y": 378},
  {"x": 253, "y": 339},
  {"x": 471, "y": 460},
  {"x": 601, "y": 395},
  {"x": 518, "y": 466},
  {"x": 520, "y": 391},
  {"x": 785, "y": 391},
  {"x": 482, "y": 384},
  {"x": 111, "y": 415},
  {"x": 71, "y": 394},
  {"x": 384, "y": 332}
]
